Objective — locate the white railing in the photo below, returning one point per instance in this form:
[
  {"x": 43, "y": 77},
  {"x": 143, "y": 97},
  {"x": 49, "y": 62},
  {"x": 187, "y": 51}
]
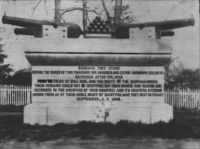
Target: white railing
[
  {"x": 15, "y": 95},
  {"x": 183, "y": 98},
  {"x": 21, "y": 95}
]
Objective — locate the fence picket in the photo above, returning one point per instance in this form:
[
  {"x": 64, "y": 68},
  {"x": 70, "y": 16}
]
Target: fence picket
[
  {"x": 189, "y": 99},
  {"x": 15, "y": 95},
  {"x": 21, "y": 95}
]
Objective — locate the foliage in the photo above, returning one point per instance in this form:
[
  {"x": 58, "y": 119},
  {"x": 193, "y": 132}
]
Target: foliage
[
  {"x": 183, "y": 78},
  {"x": 4, "y": 68},
  {"x": 22, "y": 77}
]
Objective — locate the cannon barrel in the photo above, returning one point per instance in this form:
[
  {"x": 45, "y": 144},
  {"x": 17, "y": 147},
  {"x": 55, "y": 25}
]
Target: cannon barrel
[
  {"x": 163, "y": 28},
  {"x": 23, "y": 31},
  {"x": 37, "y": 32},
  {"x": 166, "y": 33},
  {"x": 29, "y": 26},
  {"x": 23, "y": 22},
  {"x": 34, "y": 27},
  {"x": 162, "y": 25}
]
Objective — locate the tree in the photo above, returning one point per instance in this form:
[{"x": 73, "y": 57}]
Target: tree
[
  {"x": 123, "y": 10},
  {"x": 4, "y": 68},
  {"x": 180, "y": 78},
  {"x": 21, "y": 77}
]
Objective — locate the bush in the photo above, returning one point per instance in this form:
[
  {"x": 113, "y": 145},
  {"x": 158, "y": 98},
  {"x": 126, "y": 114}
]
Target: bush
[{"x": 185, "y": 78}]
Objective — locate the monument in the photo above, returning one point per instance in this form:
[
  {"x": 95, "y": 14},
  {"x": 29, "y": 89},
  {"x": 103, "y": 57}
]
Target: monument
[{"x": 119, "y": 77}]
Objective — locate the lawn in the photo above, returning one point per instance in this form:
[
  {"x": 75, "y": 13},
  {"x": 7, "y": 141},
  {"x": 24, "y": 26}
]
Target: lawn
[{"x": 186, "y": 124}]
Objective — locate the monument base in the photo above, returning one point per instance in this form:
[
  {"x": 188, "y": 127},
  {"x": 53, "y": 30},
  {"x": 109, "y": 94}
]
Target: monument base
[{"x": 54, "y": 113}]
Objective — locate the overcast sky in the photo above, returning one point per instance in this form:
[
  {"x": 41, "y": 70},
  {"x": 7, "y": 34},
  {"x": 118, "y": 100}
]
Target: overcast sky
[{"x": 185, "y": 42}]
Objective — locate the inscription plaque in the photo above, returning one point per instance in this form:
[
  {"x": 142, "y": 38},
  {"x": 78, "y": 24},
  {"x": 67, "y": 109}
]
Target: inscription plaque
[{"x": 97, "y": 83}]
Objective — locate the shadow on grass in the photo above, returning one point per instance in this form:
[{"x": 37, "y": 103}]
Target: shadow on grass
[
  {"x": 89, "y": 130},
  {"x": 185, "y": 125}
]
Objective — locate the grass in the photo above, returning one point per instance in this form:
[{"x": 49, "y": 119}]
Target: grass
[{"x": 185, "y": 125}]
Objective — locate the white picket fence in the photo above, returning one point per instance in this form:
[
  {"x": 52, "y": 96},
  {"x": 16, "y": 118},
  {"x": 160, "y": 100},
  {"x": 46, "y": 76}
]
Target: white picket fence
[
  {"x": 183, "y": 98},
  {"x": 21, "y": 95},
  {"x": 15, "y": 95}
]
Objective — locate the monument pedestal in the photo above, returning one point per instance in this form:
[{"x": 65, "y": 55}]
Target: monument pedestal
[
  {"x": 104, "y": 84},
  {"x": 50, "y": 114}
]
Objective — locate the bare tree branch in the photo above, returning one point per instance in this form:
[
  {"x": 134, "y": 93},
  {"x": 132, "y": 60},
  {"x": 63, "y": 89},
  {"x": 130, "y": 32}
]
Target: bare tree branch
[
  {"x": 37, "y": 4},
  {"x": 63, "y": 11},
  {"x": 106, "y": 11}
]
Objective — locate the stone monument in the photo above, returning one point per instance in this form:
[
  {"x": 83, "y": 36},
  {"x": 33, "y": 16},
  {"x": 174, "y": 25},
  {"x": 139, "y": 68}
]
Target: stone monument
[{"x": 97, "y": 79}]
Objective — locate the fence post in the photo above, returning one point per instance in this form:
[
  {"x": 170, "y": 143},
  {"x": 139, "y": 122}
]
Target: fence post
[{"x": 21, "y": 95}]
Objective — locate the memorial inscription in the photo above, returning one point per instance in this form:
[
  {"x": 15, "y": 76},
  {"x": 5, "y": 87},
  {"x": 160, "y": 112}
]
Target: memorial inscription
[{"x": 94, "y": 83}]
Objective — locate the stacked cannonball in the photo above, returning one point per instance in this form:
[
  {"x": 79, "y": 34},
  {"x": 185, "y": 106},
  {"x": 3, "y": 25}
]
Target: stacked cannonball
[{"x": 99, "y": 26}]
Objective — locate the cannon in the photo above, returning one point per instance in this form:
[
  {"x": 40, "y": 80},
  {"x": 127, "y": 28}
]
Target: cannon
[
  {"x": 122, "y": 31},
  {"x": 162, "y": 28},
  {"x": 35, "y": 27}
]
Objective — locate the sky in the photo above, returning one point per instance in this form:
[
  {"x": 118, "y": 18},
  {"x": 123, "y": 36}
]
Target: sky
[{"x": 185, "y": 43}]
